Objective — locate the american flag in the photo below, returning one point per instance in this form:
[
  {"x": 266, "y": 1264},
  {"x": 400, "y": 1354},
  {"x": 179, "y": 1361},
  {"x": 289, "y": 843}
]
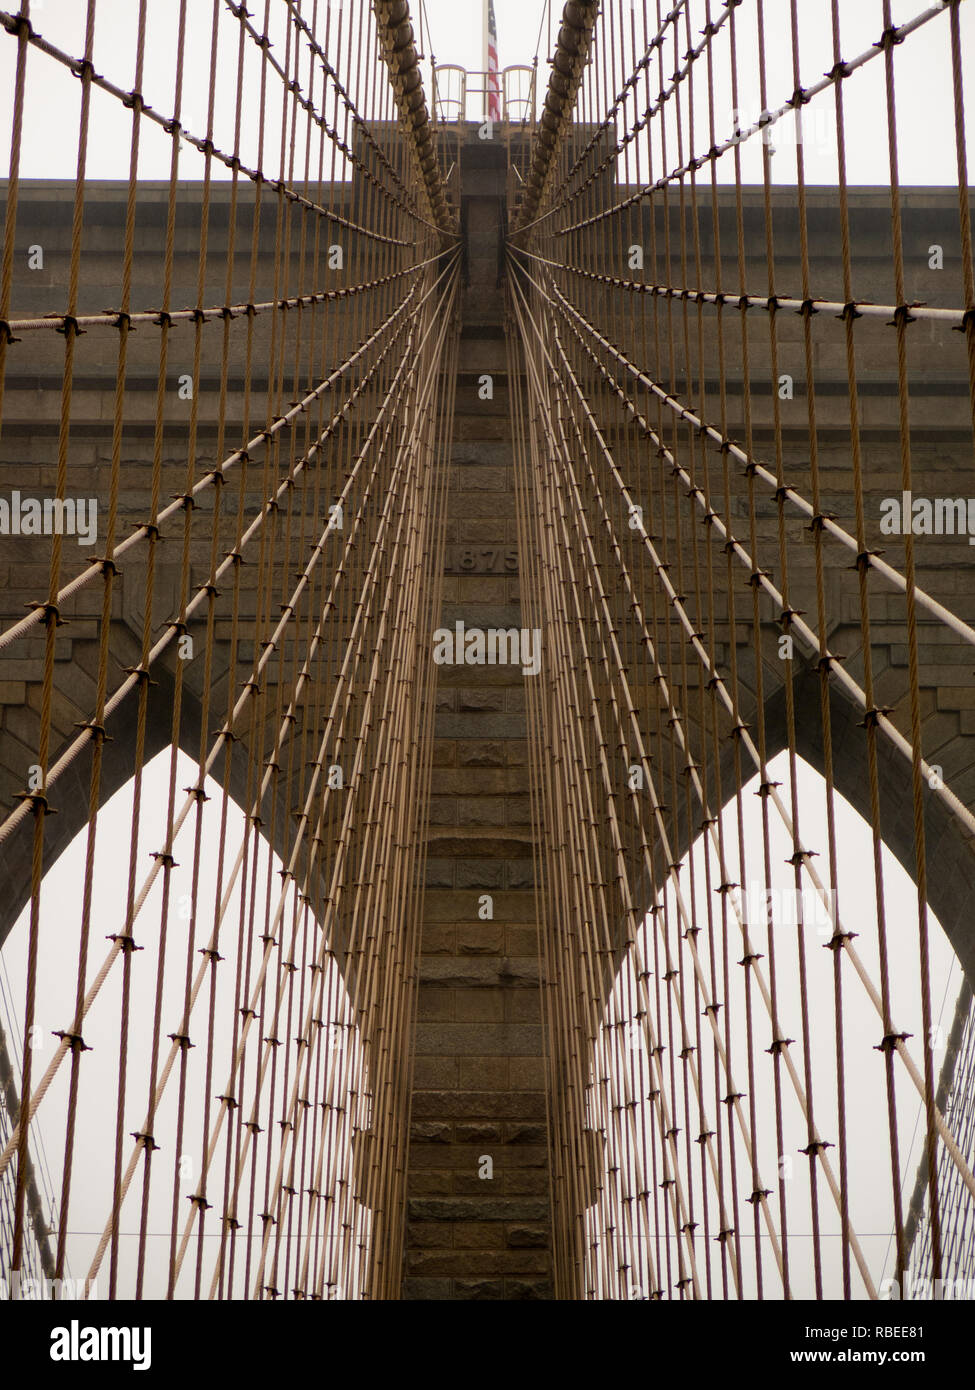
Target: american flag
[{"x": 493, "y": 81}]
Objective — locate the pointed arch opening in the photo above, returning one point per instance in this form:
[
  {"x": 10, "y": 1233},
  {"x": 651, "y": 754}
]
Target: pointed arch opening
[
  {"x": 755, "y": 1097},
  {"x": 201, "y": 1105}
]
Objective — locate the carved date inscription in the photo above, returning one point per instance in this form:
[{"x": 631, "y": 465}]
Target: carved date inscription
[{"x": 462, "y": 559}]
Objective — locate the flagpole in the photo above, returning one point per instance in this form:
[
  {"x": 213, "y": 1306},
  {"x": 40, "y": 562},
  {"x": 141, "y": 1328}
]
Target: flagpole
[{"x": 486, "y": 36}]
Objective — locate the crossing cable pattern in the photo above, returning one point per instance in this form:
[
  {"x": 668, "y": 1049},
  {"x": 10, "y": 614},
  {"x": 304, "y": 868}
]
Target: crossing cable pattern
[
  {"x": 259, "y": 614},
  {"x": 660, "y": 482},
  {"x": 957, "y": 1094},
  {"x": 255, "y": 1003}
]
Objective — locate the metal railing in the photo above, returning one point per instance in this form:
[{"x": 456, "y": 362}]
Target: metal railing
[{"x": 462, "y": 95}]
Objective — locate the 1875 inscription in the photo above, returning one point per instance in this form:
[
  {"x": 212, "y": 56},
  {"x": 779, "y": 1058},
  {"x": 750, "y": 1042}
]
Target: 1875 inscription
[{"x": 461, "y": 559}]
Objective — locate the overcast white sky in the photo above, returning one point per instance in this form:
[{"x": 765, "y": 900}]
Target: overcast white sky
[{"x": 925, "y": 101}]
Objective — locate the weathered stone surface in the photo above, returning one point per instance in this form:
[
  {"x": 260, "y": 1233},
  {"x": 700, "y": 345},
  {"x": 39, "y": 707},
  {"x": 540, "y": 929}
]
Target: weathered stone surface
[
  {"x": 488, "y": 1039},
  {"x": 524, "y": 1183},
  {"x": 525, "y": 1134},
  {"x": 488, "y": 971},
  {"x": 477, "y": 1209},
  {"x": 479, "y": 1133},
  {"x": 430, "y": 1235},
  {"x": 479, "y": 1006},
  {"x": 416, "y": 1290},
  {"x": 479, "y": 1289},
  {"x": 527, "y": 1289},
  {"x": 527, "y": 1237},
  {"x": 462, "y": 1103},
  {"x": 430, "y": 1132},
  {"x": 488, "y": 1261},
  {"x": 479, "y": 1023},
  {"x": 478, "y": 1235}
]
